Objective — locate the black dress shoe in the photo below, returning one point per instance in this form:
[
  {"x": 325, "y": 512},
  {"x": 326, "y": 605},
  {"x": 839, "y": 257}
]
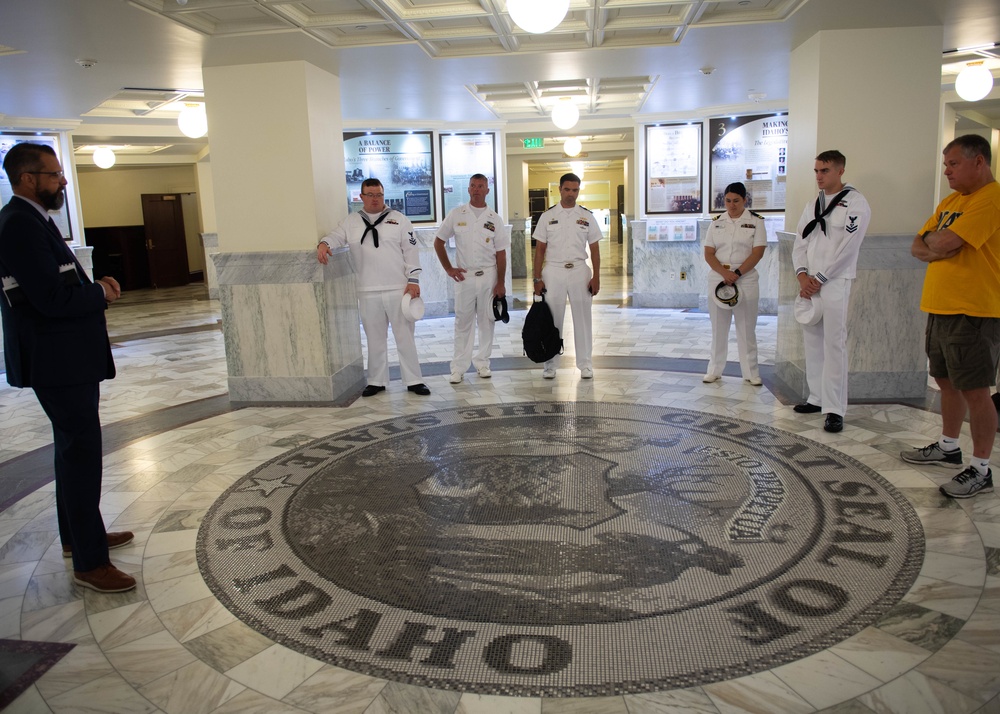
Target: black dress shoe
[
  {"x": 834, "y": 423},
  {"x": 371, "y": 390},
  {"x": 422, "y": 389},
  {"x": 807, "y": 408}
]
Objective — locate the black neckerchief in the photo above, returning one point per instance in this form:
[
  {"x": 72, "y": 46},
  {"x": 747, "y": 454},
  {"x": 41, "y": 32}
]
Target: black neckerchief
[
  {"x": 821, "y": 213},
  {"x": 371, "y": 226}
]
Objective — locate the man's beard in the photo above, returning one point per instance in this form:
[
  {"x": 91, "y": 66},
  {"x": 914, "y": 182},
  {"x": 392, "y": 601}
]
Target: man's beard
[{"x": 52, "y": 200}]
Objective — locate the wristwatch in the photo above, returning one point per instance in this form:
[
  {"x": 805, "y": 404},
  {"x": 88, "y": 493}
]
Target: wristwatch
[
  {"x": 537, "y": 280},
  {"x": 738, "y": 273}
]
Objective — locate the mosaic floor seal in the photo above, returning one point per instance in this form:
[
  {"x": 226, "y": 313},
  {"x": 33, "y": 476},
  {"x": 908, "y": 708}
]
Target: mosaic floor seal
[{"x": 560, "y": 549}]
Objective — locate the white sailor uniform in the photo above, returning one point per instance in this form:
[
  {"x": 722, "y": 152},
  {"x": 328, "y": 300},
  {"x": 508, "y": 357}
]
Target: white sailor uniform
[
  {"x": 734, "y": 239},
  {"x": 479, "y": 235},
  {"x": 382, "y": 274},
  {"x": 831, "y": 256},
  {"x": 567, "y": 233}
]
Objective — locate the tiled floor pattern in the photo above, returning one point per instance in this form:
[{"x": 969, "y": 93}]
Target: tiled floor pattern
[{"x": 171, "y": 647}]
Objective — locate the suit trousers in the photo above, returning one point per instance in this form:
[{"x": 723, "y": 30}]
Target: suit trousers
[
  {"x": 474, "y": 305},
  {"x": 379, "y": 310},
  {"x": 573, "y": 283},
  {"x": 76, "y": 436},
  {"x": 744, "y": 314},
  {"x": 826, "y": 349}
]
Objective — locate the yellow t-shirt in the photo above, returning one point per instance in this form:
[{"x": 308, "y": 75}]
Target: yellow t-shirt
[{"x": 968, "y": 283}]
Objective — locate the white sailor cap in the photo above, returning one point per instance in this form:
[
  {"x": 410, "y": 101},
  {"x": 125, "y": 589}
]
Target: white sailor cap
[
  {"x": 413, "y": 308},
  {"x": 809, "y": 311}
]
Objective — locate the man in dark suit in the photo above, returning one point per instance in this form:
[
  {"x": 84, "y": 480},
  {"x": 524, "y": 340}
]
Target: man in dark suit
[{"x": 56, "y": 342}]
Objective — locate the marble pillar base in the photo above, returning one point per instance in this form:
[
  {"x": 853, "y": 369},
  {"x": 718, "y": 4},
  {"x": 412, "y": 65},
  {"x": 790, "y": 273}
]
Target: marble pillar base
[
  {"x": 885, "y": 327},
  {"x": 291, "y": 327},
  {"x": 520, "y": 227},
  {"x": 210, "y": 244}
]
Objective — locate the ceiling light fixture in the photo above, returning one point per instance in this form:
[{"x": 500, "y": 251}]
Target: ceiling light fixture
[
  {"x": 572, "y": 146},
  {"x": 756, "y": 97},
  {"x": 565, "y": 114},
  {"x": 577, "y": 167},
  {"x": 974, "y": 82},
  {"x": 104, "y": 157},
  {"x": 537, "y": 16},
  {"x": 193, "y": 121}
]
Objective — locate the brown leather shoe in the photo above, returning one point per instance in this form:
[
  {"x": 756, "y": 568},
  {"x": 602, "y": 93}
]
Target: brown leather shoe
[
  {"x": 115, "y": 540},
  {"x": 105, "y": 579}
]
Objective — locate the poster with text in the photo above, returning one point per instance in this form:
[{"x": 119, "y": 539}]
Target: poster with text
[
  {"x": 462, "y": 156},
  {"x": 751, "y": 150},
  {"x": 673, "y": 168},
  {"x": 402, "y": 161},
  {"x": 8, "y": 141}
]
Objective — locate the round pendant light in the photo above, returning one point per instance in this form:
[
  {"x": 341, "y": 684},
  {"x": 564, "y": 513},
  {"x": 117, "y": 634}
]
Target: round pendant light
[
  {"x": 193, "y": 121},
  {"x": 537, "y": 16},
  {"x": 565, "y": 113},
  {"x": 572, "y": 146},
  {"x": 974, "y": 82},
  {"x": 104, "y": 157}
]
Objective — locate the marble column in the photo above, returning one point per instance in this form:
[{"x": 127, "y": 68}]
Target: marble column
[
  {"x": 291, "y": 326},
  {"x": 517, "y": 260},
  {"x": 885, "y": 327},
  {"x": 210, "y": 244}
]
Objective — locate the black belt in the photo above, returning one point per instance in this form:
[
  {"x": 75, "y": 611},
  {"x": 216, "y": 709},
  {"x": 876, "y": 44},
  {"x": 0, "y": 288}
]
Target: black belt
[{"x": 479, "y": 273}]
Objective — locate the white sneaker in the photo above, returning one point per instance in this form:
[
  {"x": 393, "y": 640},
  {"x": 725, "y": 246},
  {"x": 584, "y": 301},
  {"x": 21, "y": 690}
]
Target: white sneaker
[
  {"x": 455, "y": 378},
  {"x": 709, "y": 378},
  {"x": 548, "y": 374},
  {"x": 485, "y": 372},
  {"x": 586, "y": 373},
  {"x": 753, "y": 381}
]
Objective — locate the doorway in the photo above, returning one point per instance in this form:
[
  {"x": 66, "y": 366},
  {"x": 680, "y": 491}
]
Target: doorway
[{"x": 166, "y": 245}]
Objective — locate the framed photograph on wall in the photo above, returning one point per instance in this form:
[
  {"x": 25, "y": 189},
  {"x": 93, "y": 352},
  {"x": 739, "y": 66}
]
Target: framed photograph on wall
[
  {"x": 462, "y": 156},
  {"x": 752, "y": 150},
  {"x": 673, "y": 168},
  {"x": 8, "y": 141},
  {"x": 402, "y": 160}
]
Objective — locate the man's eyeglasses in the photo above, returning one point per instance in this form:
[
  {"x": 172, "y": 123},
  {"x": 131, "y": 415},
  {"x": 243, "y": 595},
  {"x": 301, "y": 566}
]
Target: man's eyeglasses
[
  {"x": 57, "y": 174},
  {"x": 373, "y": 195}
]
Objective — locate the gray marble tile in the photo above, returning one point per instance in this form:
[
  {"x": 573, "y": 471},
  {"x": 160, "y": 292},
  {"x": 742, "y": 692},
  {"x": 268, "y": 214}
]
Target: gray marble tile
[{"x": 926, "y": 628}]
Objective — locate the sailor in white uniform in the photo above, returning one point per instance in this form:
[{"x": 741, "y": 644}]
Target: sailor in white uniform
[
  {"x": 734, "y": 245},
  {"x": 387, "y": 264},
  {"x": 562, "y": 236},
  {"x": 479, "y": 272},
  {"x": 825, "y": 256}
]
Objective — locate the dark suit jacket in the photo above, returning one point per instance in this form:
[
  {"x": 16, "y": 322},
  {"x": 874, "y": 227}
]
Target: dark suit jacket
[{"x": 58, "y": 336}]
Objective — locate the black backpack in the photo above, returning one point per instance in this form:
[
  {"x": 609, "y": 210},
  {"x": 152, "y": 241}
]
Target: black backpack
[{"x": 541, "y": 338}]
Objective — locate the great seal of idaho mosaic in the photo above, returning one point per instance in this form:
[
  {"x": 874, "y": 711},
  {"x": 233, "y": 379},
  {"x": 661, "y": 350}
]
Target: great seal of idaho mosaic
[{"x": 560, "y": 549}]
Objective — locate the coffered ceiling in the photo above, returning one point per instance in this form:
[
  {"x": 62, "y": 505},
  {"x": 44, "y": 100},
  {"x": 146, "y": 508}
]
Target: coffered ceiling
[{"x": 464, "y": 28}]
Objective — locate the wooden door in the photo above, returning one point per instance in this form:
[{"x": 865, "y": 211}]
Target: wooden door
[{"x": 163, "y": 219}]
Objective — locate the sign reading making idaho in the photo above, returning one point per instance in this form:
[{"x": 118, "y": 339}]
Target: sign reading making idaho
[{"x": 560, "y": 549}]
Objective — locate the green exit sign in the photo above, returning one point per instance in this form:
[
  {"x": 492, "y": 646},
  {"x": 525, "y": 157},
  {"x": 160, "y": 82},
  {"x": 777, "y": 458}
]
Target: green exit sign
[{"x": 535, "y": 142}]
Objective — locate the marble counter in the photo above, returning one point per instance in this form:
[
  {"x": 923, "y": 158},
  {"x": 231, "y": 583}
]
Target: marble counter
[
  {"x": 674, "y": 273},
  {"x": 885, "y": 327},
  {"x": 291, "y": 327}
]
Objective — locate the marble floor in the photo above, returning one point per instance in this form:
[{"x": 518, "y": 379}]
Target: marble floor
[{"x": 171, "y": 647}]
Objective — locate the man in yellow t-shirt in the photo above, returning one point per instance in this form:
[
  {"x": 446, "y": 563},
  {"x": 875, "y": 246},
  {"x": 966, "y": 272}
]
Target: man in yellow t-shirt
[{"x": 961, "y": 245}]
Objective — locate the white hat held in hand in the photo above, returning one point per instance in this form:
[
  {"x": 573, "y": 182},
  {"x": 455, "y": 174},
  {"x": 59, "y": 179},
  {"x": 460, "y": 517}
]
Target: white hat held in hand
[
  {"x": 726, "y": 296},
  {"x": 413, "y": 308},
  {"x": 809, "y": 311}
]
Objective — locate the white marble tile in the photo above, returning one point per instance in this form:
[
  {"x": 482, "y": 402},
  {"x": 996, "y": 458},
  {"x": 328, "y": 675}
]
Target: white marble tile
[
  {"x": 675, "y": 701},
  {"x": 880, "y": 654},
  {"x": 108, "y": 695},
  {"x": 276, "y": 671},
  {"x": 762, "y": 693},
  {"x": 913, "y": 693},
  {"x": 172, "y": 542},
  {"x": 824, "y": 679},
  {"x": 487, "y": 704},
  {"x": 335, "y": 690},
  {"x": 193, "y": 689},
  {"x": 149, "y": 658},
  {"x": 173, "y": 593}
]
